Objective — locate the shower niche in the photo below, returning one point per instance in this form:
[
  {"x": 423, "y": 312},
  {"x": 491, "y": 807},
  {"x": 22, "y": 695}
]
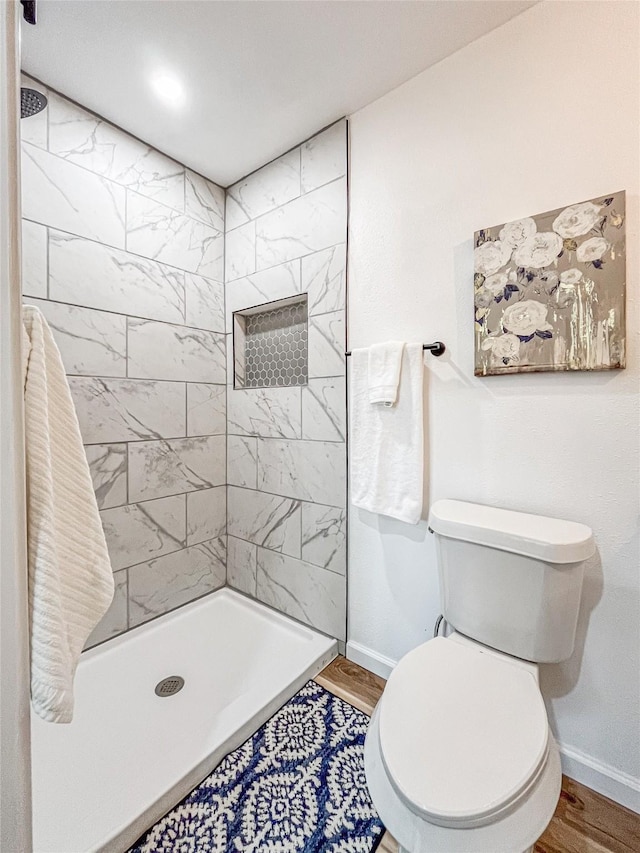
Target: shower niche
[{"x": 270, "y": 344}]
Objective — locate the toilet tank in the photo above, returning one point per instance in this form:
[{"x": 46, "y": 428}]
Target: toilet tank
[{"x": 511, "y": 580}]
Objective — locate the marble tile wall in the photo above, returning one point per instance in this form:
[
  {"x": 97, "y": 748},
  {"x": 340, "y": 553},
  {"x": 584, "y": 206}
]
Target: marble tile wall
[
  {"x": 123, "y": 252},
  {"x": 286, "y": 452}
]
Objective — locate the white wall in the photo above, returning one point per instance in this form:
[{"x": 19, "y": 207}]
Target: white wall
[{"x": 540, "y": 113}]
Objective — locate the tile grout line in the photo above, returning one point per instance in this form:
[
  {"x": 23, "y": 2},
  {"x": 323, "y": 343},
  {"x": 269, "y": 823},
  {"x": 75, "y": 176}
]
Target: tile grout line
[
  {"x": 126, "y": 451},
  {"x": 226, "y": 384},
  {"x": 85, "y": 307},
  {"x": 136, "y": 379},
  {"x": 47, "y": 261},
  {"x": 127, "y": 251},
  {"x": 283, "y": 554},
  {"x": 186, "y": 520},
  {"x": 284, "y": 262},
  {"x": 302, "y": 195},
  {"x": 286, "y": 497},
  {"x": 180, "y": 269},
  {"x": 128, "y": 603},
  {"x": 163, "y": 498},
  {"x": 186, "y": 411},
  {"x": 126, "y": 220},
  {"x": 182, "y": 168},
  {"x": 138, "y": 441},
  {"x": 185, "y": 547},
  {"x": 301, "y": 501}
]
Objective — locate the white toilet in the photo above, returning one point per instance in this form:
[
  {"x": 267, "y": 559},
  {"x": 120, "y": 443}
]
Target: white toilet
[{"x": 459, "y": 756}]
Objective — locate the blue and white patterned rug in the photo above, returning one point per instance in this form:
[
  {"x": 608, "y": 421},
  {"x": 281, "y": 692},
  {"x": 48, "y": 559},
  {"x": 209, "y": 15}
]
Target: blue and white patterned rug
[{"x": 296, "y": 786}]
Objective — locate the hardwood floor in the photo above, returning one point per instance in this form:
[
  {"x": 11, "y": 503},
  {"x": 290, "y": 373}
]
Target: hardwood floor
[{"x": 584, "y": 822}]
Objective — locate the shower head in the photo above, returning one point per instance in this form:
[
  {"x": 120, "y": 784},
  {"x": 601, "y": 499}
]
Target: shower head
[{"x": 31, "y": 102}]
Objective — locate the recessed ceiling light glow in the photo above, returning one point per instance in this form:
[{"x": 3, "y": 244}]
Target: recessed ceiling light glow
[{"x": 168, "y": 89}]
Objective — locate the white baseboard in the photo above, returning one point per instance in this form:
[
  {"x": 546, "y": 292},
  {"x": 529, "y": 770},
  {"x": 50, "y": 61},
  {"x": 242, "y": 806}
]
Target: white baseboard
[
  {"x": 606, "y": 780},
  {"x": 373, "y": 661}
]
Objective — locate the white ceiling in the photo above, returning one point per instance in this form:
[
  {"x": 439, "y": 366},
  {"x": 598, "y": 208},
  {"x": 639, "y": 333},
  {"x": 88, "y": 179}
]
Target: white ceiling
[{"x": 256, "y": 77}]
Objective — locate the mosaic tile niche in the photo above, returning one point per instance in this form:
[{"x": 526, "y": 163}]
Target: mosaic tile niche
[{"x": 271, "y": 345}]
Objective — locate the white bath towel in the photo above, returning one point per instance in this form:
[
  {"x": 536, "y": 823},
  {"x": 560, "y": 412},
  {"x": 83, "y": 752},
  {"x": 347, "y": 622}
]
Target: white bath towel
[
  {"x": 387, "y": 442},
  {"x": 70, "y": 577},
  {"x": 385, "y": 361}
]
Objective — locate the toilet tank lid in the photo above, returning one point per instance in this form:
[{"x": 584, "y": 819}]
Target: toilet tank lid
[{"x": 549, "y": 539}]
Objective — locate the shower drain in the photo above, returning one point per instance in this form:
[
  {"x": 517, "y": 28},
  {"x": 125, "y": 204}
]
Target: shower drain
[{"x": 169, "y": 686}]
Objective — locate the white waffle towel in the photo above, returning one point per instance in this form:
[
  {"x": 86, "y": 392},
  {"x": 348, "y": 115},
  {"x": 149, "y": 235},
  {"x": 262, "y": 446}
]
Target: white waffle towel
[{"x": 70, "y": 577}]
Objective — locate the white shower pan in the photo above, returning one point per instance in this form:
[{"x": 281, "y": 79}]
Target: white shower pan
[{"x": 130, "y": 755}]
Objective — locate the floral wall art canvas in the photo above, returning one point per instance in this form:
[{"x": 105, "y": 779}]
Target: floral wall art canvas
[{"x": 550, "y": 290}]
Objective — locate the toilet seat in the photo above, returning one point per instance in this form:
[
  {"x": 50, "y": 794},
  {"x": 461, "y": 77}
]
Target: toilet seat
[{"x": 463, "y": 733}]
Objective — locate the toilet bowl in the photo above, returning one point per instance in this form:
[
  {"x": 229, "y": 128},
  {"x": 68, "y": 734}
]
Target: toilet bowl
[{"x": 459, "y": 756}]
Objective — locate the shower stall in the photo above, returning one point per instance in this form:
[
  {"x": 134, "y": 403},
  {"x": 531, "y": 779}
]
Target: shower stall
[{"x": 202, "y": 330}]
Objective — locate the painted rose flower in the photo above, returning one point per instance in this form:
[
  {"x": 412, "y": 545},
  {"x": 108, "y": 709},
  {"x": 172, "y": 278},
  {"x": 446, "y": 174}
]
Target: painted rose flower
[
  {"x": 591, "y": 250},
  {"x": 538, "y": 251},
  {"x": 496, "y": 283},
  {"x": 571, "y": 276},
  {"x": 526, "y": 318},
  {"x": 576, "y": 220},
  {"x": 515, "y": 233},
  {"x": 490, "y": 256},
  {"x": 549, "y": 279},
  {"x": 505, "y": 347},
  {"x": 483, "y": 298}
]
